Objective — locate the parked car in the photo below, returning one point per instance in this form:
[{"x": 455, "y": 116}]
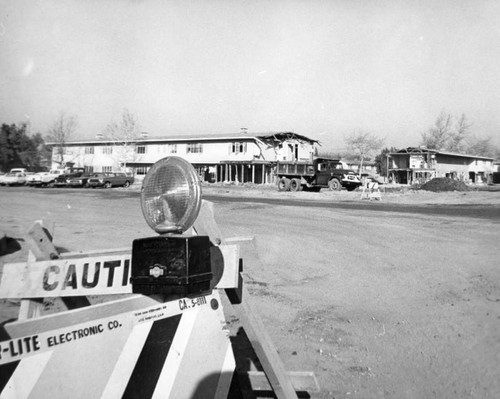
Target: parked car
[
  {"x": 79, "y": 181},
  {"x": 49, "y": 179},
  {"x": 13, "y": 179},
  {"x": 35, "y": 179},
  {"x": 110, "y": 179},
  {"x": 14, "y": 171},
  {"x": 18, "y": 170},
  {"x": 63, "y": 179}
]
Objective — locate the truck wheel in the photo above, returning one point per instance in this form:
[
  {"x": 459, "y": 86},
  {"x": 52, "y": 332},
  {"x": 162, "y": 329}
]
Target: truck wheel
[
  {"x": 284, "y": 184},
  {"x": 295, "y": 185},
  {"x": 127, "y": 184},
  {"x": 107, "y": 184},
  {"x": 334, "y": 185}
]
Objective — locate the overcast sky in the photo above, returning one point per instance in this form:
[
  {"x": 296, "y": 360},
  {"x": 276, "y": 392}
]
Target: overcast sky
[{"x": 321, "y": 68}]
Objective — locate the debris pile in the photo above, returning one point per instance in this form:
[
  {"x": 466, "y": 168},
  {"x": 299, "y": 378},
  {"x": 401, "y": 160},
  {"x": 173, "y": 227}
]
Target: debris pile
[{"x": 444, "y": 184}]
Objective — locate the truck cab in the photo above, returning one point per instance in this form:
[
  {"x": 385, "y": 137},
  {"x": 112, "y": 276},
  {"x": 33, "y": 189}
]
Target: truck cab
[{"x": 334, "y": 174}]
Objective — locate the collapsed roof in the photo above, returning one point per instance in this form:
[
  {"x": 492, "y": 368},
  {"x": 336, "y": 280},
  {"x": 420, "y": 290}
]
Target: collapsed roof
[{"x": 269, "y": 138}]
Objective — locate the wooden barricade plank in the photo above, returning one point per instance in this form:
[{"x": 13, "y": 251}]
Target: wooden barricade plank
[{"x": 82, "y": 275}]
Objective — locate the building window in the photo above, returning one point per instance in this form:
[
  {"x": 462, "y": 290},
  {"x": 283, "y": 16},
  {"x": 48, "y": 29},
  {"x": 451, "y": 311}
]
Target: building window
[
  {"x": 107, "y": 150},
  {"x": 172, "y": 148},
  {"x": 107, "y": 168},
  {"x": 141, "y": 170},
  {"x": 141, "y": 149},
  {"x": 89, "y": 169},
  {"x": 89, "y": 150},
  {"x": 237, "y": 148},
  {"x": 194, "y": 148}
]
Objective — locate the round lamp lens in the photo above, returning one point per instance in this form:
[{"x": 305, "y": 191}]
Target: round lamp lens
[{"x": 171, "y": 195}]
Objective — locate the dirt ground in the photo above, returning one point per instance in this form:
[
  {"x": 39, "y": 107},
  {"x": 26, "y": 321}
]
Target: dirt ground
[{"x": 378, "y": 304}]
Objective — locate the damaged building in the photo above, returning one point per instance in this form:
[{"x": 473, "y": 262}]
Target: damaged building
[
  {"x": 416, "y": 165},
  {"x": 240, "y": 157}
]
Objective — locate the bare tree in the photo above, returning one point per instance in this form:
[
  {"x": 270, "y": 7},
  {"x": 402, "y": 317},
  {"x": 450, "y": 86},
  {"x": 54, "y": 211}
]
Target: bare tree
[
  {"x": 60, "y": 132},
  {"x": 483, "y": 147},
  {"x": 124, "y": 135},
  {"x": 458, "y": 137},
  {"x": 438, "y": 135},
  {"x": 363, "y": 144}
]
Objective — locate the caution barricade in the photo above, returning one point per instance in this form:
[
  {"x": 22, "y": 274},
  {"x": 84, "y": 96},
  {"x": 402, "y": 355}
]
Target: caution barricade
[
  {"x": 145, "y": 346},
  {"x": 140, "y": 323},
  {"x": 371, "y": 191}
]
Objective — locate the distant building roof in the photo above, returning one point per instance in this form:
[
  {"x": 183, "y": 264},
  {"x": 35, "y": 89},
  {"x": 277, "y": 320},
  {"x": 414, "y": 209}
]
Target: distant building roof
[
  {"x": 358, "y": 162},
  {"x": 274, "y": 136},
  {"x": 424, "y": 150}
]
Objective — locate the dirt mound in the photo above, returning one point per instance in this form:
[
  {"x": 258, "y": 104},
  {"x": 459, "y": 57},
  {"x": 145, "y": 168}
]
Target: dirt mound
[{"x": 444, "y": 184}]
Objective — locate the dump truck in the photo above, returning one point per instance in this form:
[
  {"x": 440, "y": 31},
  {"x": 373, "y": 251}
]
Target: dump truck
[{"x": 315, "y": 175}]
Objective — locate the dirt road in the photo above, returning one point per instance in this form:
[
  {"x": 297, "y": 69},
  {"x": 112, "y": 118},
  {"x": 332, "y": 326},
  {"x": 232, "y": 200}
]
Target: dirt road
[{"x": 378, "y": 304}]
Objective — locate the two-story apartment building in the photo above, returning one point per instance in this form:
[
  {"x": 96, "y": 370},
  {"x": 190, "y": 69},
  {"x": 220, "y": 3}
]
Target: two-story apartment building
[
  {"x": 238, "y": 157},
  {"x": 417, "y": 165}
]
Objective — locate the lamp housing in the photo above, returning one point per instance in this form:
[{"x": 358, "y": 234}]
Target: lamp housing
[{"x": 171, "y": 264}]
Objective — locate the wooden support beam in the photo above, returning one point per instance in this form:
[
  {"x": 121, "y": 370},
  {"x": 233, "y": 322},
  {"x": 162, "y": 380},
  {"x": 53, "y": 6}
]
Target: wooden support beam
[
  {"x": 206, "y": 225},
  {"x": 30, "y": 308},
  {"x": 40, "y": 242},
  {"x": 302, "y": 381},
  {"x": 3, "y": 243},
  {"x": 264, "y": 349},
  {"x": 41, "y": 247}
]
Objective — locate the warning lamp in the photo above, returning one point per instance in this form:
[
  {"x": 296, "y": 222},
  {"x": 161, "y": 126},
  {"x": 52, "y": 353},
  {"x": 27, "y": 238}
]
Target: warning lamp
[
  {"x": 171, "y": 195},
  {"x": 173, "y": 262}
]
